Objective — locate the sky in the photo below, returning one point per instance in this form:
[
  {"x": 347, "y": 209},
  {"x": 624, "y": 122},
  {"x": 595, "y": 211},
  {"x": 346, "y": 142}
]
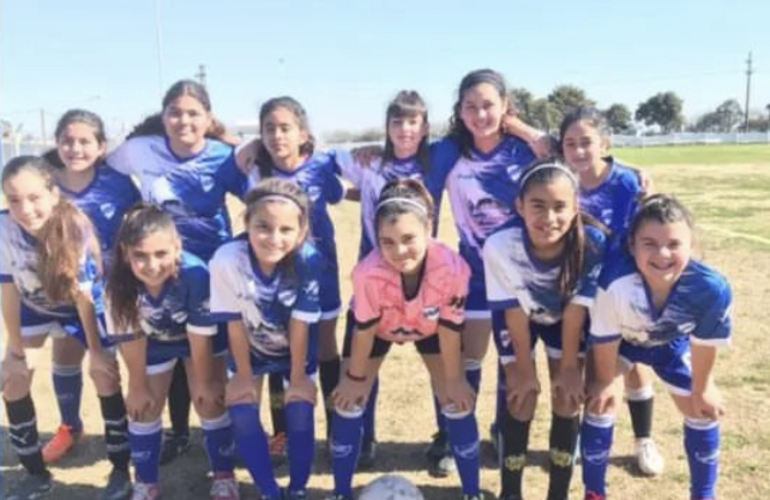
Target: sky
[{"x": 344, "y": 60}]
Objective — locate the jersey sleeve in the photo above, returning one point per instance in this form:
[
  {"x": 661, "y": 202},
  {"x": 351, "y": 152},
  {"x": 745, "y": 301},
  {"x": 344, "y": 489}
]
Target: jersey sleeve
[
  {"x": 605, "y": 318},
  {"x": 122, "y": 160},
  {"x": 308, "y": 307},
  {"x": 199, "y": 319},
  {"x": 6, "y": 270},
  {"x": 452, "y": 311},
  {"x": 588, "y": 283},
  {"x": 499, "y": 275},
  {"x": 223, "y": 299},
  {"x": 715, "y": 326},
  {"x": 349, "y": 169},
  {"x": 365, "y": 303},
  {"x": 232, "y": 177},
  {"x": 333, "y": 188}
]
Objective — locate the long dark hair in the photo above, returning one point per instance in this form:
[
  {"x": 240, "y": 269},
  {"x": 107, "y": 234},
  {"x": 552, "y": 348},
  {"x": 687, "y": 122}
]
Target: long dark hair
[
  {"x": 408, "y": 104},
  {"x": 264, "y": 160},
  {"x": 139, "y": 222},
  {"x": 576, "y": 245},
  {"x": 75, "y": 116},
  {"x": 457, "y": 129},
  {"x": 153, "y": 124},
  {"x": 273, "y": 190}
]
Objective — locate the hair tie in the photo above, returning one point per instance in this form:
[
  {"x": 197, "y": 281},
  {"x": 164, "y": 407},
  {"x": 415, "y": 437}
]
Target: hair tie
[
  {"x": 280, "y": 197},
  {"x": 408, "y": 201},
  {"x": 556, "y": 166}
]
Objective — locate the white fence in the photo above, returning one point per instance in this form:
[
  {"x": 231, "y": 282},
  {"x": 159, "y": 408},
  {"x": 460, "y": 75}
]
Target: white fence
[{"x": 690, "y": 138}]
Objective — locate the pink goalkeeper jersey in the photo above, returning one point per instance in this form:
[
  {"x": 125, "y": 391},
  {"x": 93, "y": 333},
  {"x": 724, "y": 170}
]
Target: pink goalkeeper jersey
[{"x": 379, "y": 296}]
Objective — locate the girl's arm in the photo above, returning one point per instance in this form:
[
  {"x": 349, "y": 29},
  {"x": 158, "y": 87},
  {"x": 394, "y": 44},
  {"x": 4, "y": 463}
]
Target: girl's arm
[
  {"x": 84, "y": 303},
  {"x": 202, "y": 357},
  {"x": 11, "y": 304},
  {"x": 301, "y": 387},
  {"x": 350, "y": 395},
  {"x": 240, "y": 349},
  {"x": 522, "y": 385},
  {"x": 459, "y": 393},
  {"x": 139, "y": 401},
  {"x": 536, "y": 139},
  {"x": 361, "y": 346},
  {"x": 603, "y": 372},
  {"x": 706, "y": 400},
  {"x": 570, "y": 378}
]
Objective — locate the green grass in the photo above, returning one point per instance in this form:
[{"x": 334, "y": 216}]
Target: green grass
[{"x": 695, "y": 155}]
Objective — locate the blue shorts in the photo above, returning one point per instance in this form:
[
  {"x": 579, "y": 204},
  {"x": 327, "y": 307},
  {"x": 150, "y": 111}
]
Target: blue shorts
[
  {"x": 263, "y": 365},
  {"x": 34, "y": 323},
  {"x": 428, "y": 345},
  {"x": 329, "y": 292},
  {"x": 163, "y": 356},
  {"x": 476, "y": 305},
  {"x": 549, "y": 334},
  {"x": 670, "y": 361}
]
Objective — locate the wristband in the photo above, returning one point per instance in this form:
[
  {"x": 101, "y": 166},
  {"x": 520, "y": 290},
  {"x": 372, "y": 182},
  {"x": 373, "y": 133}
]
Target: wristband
[{"x": 355, "y": 378}]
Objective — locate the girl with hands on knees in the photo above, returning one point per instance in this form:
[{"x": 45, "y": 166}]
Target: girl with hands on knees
[
  {"x": 410, "y": 289},
  {"x": 541, "y": 274},
  {"x": 51, "y": 275},
  {"x": 265, "y": 284},
  {"x": 662, "y": 308},
  {"x": 158, "y": 312}
]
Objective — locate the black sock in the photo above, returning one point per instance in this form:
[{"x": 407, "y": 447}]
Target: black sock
[
  {"x": 330, "y": 377},
  {"x": 24, "y": 437},
  {"x": 641, "y": 417},
  {"x": 564, "y": 432},
  {"x": 179, "y": 401},
  {"x": 116, "y": 430},
  {"x": 276, "y": 403},
  {"x": 514, "y": 454}
]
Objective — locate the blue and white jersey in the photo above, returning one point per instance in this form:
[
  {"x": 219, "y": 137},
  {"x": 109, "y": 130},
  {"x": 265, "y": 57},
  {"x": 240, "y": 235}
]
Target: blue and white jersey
[
  {"x": 109, "y": 195},
  {"x": 516, "y": 278},
  {"x": 191, "y": 189},
  {"x": 698, "y": 307},
  {"x": 614, "y": 203},
  {"x": 482, "y": 190},
  {"x": 265, "y": 304},
  {"x": 369, "y": 181},
  {"x": 318, "y": 178},
  {"x": 18, "y": 265},
  {"x": 181, "y": 307}
]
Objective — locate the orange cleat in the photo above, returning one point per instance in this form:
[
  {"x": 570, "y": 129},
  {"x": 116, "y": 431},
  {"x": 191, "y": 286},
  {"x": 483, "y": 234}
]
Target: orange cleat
[{"x": 60, "y": 444}]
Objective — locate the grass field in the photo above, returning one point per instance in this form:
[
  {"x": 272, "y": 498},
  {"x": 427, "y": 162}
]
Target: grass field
[{"x": 730, "y": 200}]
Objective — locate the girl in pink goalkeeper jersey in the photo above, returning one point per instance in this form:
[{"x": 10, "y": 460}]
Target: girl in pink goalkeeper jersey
[{"x": 411, "y": 289}]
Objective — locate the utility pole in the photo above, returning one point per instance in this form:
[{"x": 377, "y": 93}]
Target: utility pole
[
  {"x": 43, "y": 135},
  {"x": 201, "y": 75},
  {"x": 749, "y": 71}
]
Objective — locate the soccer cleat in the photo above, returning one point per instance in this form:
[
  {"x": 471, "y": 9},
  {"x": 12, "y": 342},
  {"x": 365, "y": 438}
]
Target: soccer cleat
[
  {"x": 118, "y": 486},
  {"x": 277, "y": 445},
  {"x": 473, "y": 497},
  {"x": 174, "y": 445},
  {"x": 441, "y": 463},
  {"x": 368, "y": 454},
  {"x": 60, "y": 444},
  {"x": 146, "y": 491},
  {"x": 224, "y": 487},
  {"x": 590, "y": 495},
  {"x": 648, "y": 457},
  {"x": 32, "y": 487}
]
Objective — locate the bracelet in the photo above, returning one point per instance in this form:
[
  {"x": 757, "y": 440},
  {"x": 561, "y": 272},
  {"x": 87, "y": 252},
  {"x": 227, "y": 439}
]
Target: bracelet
[{"x": 355, "y": 378}]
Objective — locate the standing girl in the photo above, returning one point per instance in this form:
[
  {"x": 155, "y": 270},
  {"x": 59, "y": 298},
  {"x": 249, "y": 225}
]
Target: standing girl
[
  {"x": 670, "y": 312},
  {"x": 183, "y": 166},
  {"x": 103, "y": 195},
  {"x": 265, "y": 284},
  {"x": 50, "y": 272},
  {"x": 158, "y": 307},
  {"x": 287, "y": 151},
  {"x": 541, "y": 277},
  {"x": 610, "y": 192},
  {"x": 412, "y": 289}
]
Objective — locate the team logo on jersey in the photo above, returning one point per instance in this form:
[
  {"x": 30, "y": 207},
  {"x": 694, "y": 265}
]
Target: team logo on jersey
[
  {"x": 430, "y": 312},
  {"x": 207, "y": 183},
  {"x": 514, "y": 172},
  {"x": 312, "y": 287},
  {"x": 287, "y": 297},
  {"x": 314, "y": 193},
  {"x": 108, "y": 209}
]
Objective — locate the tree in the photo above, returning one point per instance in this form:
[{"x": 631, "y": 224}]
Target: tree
[
  {"x": 545, "y": 115},
  {"x": 7, "y": 128},
  {"x": 565, "y": 98},
  {"x": 710, "y": 122},
  {"x": 522, "y": 100},
  {"x": 730, "y": 114},
  {"x": 619, "y": 119},
  {"x": 663, "y": 109}
]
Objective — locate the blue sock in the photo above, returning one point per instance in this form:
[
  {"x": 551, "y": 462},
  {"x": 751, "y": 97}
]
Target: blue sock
[
  {"x": 596, "y": 441},
  {"x": 370, "y": 413},
  {"x": 701, "y": 442},
  {"x": 464, "y": 439},
  {"x": 301, "y": 435},
  {"x": 145, "y": 439},
  {"x": 346, "y": 445},
  {"x": 220, "y": 446},
  {"x": 68, "y": 386},
  {"x": 440, "y": 419},
  {"x": 251, "y": 442}
]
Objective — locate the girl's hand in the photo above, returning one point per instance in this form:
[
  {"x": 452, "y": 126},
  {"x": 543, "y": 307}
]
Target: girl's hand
[
  {"x": 103, "y": 366},
  {"x": 708, "y": 405},
  {"x": 240, "y": 390},
  {"x": 15, "y": 370},
  {"x": 302, "y": 389},
  {"x": 569, "y": 385},
  {"x": 350, "y": 395},
  {"x": 542, "y": 146},
  {"x": 522, "y": 387},
  {"x": 366, "y": 155},
  {"x": 139, "y": 403},
  {"x": 460, "y": 396},
  {"x": 246, "y": 156}
]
